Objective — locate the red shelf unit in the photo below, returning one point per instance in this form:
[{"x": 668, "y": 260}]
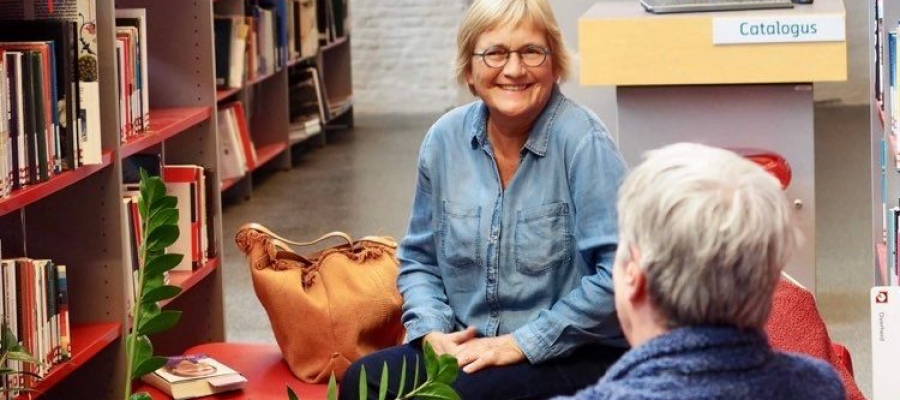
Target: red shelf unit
[
  {"x": 260, "y": 78},
  {"x": 337, "y": 42},
  {"x": 30, "y": 194},
  {"x": 187, "y": 279},
  {"x": 228, "y": 183},
  {"x": 165, "y": 123},
  {"x": 266, "y": 153},
  {"x": 87, "y": 341},
  {"x": 222, "y": 94}
]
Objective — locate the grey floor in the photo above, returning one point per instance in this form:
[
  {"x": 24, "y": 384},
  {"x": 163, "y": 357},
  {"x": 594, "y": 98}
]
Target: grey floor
[{"x": 361, "y": 182}]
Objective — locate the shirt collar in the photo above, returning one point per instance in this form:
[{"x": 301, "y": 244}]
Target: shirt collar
[{"x": 539, "y": 136}]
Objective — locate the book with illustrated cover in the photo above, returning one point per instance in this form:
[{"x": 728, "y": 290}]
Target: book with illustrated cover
[{"x": 191, "y": 376}]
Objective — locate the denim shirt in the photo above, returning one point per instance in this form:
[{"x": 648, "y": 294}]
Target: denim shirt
[{"x": 535, "y": 259}]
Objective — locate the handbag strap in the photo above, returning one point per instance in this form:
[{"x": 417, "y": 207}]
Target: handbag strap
[{"x": 283, "y": 241}]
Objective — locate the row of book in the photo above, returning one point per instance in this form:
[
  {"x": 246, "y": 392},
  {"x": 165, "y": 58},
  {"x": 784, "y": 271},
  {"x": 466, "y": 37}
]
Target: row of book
[
  {"x": 131, "y": 71},
  {"x": 238, "y": 153},
  {"x": 35, "y": 307},
  {"x": 266, "y": 39},
  {"x": 306, "y": 104},
  {"x": 49, "y": 89}
]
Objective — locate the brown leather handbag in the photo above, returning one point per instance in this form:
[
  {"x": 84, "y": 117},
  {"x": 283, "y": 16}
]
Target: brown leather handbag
[{"x": 329, "y": 308}]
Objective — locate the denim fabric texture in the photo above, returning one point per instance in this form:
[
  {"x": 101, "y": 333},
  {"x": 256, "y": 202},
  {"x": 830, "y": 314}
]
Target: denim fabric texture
[
  {"x": 535, "y": 259},
  {"x": 714, "y": 363}
]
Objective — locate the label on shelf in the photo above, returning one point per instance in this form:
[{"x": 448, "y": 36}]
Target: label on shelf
[
  {"x": 778, "y": 29},
  {"x": 885, "y": 302}
]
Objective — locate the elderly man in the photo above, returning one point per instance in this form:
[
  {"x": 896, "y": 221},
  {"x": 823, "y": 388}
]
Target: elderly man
[{"x": 704, "y": 235}]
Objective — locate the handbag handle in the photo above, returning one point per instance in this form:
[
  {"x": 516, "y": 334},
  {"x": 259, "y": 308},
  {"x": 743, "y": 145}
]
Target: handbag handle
[{"x": 282, "y": 241}]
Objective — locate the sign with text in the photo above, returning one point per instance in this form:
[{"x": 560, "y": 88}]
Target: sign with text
[{"x": 774, "y": 29}]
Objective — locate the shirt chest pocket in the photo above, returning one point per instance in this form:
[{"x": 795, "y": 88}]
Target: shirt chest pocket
[
  {"x": 543, "y": 238},
  {"x": 460, "y": 239}
]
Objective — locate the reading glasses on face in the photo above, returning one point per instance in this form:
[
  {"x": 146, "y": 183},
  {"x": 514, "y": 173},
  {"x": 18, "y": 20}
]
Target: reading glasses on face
[{"x": 497, "y": 57}]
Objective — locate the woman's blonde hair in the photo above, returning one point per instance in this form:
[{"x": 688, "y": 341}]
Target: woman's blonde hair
[{"x": 484, "y": 15}]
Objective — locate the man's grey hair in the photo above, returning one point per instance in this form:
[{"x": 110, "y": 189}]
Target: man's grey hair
[{"x": 713, "y": 231}]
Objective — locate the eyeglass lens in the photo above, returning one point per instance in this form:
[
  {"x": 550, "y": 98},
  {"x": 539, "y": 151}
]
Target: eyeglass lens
[{"x": 532, "y": 56}]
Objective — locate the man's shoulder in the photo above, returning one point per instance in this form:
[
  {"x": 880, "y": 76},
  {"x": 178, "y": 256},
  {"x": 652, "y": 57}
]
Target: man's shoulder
[{"x": 794, "y": 374}]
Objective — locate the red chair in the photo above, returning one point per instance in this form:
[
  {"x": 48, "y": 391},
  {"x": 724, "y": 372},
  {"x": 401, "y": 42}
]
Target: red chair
[
  {"x": 795, "y": 325},
  {"x": 268, "y": 376}
]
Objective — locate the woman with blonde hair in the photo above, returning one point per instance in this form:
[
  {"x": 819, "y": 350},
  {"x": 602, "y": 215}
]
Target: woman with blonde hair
[{"x": 507, "y": 261}]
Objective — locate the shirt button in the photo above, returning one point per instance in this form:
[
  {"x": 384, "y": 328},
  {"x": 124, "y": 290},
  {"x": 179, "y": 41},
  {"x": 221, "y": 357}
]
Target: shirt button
[
  {"x": 494, "y": 237},
  {"x": 494, "y": 313}
]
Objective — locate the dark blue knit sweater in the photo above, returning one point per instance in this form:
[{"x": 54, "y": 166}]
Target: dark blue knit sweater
[{"x": 714, "y": 363}]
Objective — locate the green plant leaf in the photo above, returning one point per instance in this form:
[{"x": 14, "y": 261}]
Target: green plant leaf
[
  {"x": 149, "y": 365},
  {"x": 159, "y": 323},
  {"x": 448, "y": 369},
  {"x": 9, "y": 341},
  {"x": 163, "y": 203},
  {"x": 159, "y": 264},
  {"x": 383, "y": 386},
  {"x": 416, "y": 375},
  {"x": 152, "y": 189},
  {"x": 291, "y": 394},
  {"x": 402, "y": 384},
  {"x": 161, "y": 293},
  {"x": 162, "y": 237},
  {"x": 363, "y": 384},
  {"x": 332, "y": 388},
  {"x": 431, "y": 361},
  {"x": 437, "y": 391},
  {"x": 166, "y": 217},
  {"x": 142, "y": 208},
  {"x": 141, "y": 396},
  {"x": 143, "y": 350},
  {"x": 153, "y": 282},
  {"x": 22, "y": 356}
]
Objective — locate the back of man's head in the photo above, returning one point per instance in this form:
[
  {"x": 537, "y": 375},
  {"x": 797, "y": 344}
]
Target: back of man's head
[{"x": 713, "y": 231}]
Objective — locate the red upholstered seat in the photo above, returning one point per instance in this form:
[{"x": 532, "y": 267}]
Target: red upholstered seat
[
  {"x": 267, "y": 374},
  {"x": 796, "y": 326}
]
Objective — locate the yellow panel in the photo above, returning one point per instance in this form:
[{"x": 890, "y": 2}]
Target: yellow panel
[{"x": 672, "y": 50}]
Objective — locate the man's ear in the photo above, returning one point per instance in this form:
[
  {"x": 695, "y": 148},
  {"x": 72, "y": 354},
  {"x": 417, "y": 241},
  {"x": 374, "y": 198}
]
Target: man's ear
[{"x": 634, "y": 277}]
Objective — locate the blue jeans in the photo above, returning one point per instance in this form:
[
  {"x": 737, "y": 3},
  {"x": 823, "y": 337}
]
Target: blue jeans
[{"x": 563, "y": 376}]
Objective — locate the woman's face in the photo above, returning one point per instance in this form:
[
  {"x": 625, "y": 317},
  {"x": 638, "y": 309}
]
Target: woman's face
[{"x": 514, "y": 90}]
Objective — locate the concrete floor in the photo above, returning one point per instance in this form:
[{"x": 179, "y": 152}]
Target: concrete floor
[{"x": 362, "y": 183}]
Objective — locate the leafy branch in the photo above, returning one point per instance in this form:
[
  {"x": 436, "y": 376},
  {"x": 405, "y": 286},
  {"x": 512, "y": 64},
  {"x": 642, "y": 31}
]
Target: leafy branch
[
  {"x": 441, "y": 371},
  {"x": 159, "y": 229},
  {"x": 12, "y": 350}
]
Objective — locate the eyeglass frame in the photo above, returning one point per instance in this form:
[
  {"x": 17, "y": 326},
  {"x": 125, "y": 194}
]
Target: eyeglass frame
[{"x": 509, "y": 53}]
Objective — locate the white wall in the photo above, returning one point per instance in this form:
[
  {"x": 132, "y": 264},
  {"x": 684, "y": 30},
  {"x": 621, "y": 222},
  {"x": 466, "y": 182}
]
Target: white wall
[{"x": 403, "y": 54}]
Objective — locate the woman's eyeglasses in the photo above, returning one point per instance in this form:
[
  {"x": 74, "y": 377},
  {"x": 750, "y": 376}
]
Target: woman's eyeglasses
[{"x": 497, "y": 57}]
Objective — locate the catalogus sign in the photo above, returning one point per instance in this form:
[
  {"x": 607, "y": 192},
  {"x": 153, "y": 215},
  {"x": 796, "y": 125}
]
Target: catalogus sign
[{"x": 773, "y": 29}]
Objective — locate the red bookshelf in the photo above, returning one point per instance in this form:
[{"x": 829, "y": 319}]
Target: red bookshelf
[
  {"x": 260, "y": 78},
  {"x": 165, "y": 123},
  {"x": 187, "y": 279},
  {"x": 32, "y": 193},
  {"x": 87, "y": 341},
  {"x": 222, "y": 94},
  {"x": 267, "y": 152}
]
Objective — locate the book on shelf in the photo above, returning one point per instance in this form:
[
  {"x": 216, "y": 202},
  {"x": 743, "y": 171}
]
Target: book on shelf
[
  {"x": 62, "y": 36},
  {"x": 34, "y": 296},
  {"x": 188, "y": 184},
  {"x": 87, "y": 102},
  {"x": 133, "y": 21},
  {"x": 186, "y": 377},
  {"x": 231, "y": 48}
]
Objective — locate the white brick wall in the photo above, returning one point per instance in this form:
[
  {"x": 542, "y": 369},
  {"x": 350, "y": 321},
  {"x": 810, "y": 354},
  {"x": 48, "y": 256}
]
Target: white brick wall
[{"x": 403, "y": 53}]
